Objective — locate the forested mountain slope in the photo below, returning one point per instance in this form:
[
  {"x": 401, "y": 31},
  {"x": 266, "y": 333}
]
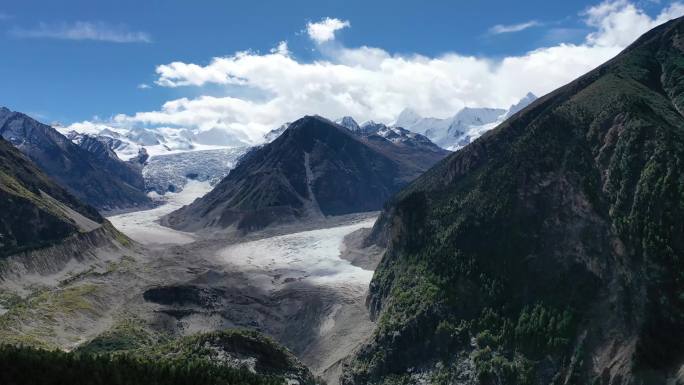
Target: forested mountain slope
[{"x": 551, "y": 250}]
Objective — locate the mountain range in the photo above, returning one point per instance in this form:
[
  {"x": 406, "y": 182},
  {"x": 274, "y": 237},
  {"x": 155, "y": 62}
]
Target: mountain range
[
  {"x": 315, "y": 168},
  {"x": 89, "y": 171},
  {"x": 128, "y": 142}
]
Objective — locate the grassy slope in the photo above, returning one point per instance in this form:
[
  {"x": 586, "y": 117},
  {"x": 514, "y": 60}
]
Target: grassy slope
[{"x": 27, "y": 220}]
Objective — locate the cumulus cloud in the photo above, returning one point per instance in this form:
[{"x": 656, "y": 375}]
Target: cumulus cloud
[
  {"x": 83, "y": 30},
  {"x": 371, "y": 83},
  {"x": 508, "y": 28},
  {"x": 620, "y": 22},
  {"x": 325, "y": 29}
]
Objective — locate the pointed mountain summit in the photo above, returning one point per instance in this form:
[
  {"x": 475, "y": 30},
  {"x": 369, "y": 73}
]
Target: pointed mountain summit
[
  {"x": 551, "y": 249},
  {"x": 315, "y": 168},
  {"x": 349, "y": 123}
]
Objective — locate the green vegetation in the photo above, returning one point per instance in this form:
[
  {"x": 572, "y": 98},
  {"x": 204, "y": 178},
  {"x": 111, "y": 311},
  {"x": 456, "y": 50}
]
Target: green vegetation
[
  {"x": 130, "y": 353},
  {"x": 124, "y": 337},
  {"x": 28, "y": 220},
  {"x": 238, "y": 348},
  {"x": 32, "y": 320},
  {"x": 20, "y": 366}
]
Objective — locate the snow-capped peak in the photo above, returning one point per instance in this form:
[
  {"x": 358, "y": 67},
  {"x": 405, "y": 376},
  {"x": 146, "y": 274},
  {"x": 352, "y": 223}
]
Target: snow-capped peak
[
  {"x": 127, "y": 142},
  {"x": 349, "y": 123},
  {"x": 464, "y": 127},
  {"x": 370, "y": 127},
  {"x": 369, "y": 123},
  {"x": 469, "y": 116}
]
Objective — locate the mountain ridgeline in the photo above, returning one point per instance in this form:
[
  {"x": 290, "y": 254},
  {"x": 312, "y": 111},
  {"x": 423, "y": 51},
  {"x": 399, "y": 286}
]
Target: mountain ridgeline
[
  {"x": 550, "y": 250},
  {"x": 92, "y": 172},
  {"x": 315, "y": 168}
]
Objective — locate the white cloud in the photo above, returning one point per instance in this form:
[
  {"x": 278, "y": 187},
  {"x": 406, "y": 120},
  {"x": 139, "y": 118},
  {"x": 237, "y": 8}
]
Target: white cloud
[
  {"x": 371, "y": 83},
  {"x": 501, "y": 28},
  {"x": 325, "y": 29},
  {"x": 143, "y": 86},
  {"x": 620, "y": 22},
  {"x": 83, "y": 30},
  {"x": 281, "y": 48}
]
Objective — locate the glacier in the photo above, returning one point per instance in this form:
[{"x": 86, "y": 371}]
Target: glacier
[{"x": 172, "y": 172}]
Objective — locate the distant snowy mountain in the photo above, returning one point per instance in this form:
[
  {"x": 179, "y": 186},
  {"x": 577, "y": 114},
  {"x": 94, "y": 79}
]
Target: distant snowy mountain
[
  {"x": 370, "y": 127},
  {"x": 400, "y": 135},
  {"x": 165, "y": 172},
  {"x": 127, "y": 143},
  {"x": 349, "y": 123},
  {"x": 524, "y": 102},
  {"x": 464, "y": 127},
  {"x": 411, "y": 120},
  {"x": 167, "y": 157},
  {"x": 397, "y": 135}
]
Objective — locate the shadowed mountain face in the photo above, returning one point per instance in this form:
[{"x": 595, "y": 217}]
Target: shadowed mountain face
[
  {"x": 96, "y": 177},
  {"x": 551, "y": 250},
  {"x": 34, "y": 211},
  {"x": 315, "y": 168}
]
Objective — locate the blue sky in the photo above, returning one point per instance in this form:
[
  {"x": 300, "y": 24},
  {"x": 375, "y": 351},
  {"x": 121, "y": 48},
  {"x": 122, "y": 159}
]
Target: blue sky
[{"x": 73, "y": 61}]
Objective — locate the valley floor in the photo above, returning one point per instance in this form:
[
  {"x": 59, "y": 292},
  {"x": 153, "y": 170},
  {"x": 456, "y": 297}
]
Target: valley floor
[
  {"x": 142, "y": 226},
  {"x": 289, "y": 283}
]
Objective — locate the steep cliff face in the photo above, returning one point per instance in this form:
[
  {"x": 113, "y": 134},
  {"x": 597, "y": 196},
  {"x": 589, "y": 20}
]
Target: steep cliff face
[
  {"x": 92, "y": 173},
  {"x": 34, "y": 211},
  {"x": 549, "y": 251},
  {"x": 316, "y": 168}
]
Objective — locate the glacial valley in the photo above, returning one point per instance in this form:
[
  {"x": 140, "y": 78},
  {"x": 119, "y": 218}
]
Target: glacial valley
[{"x": 288, "y": 283}]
